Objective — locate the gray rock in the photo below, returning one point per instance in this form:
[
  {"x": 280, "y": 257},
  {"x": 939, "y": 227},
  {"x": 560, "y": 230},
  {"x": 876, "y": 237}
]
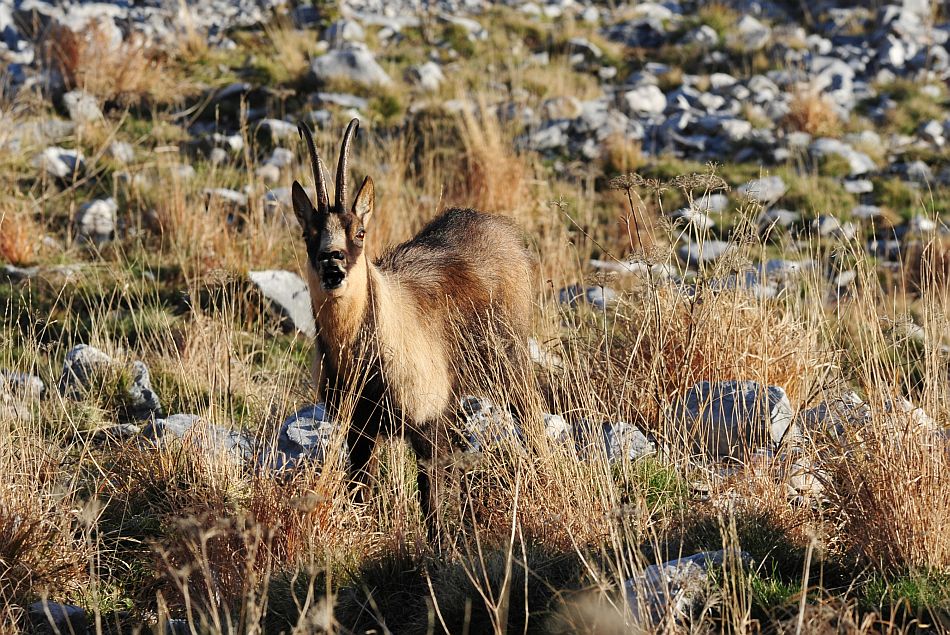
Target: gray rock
[
  {"x": 625, "y": 441},
  {"x": 734, "y": 129},
  {"x": 762, "y": 89},
  {"x": 428, "y": 76},
  {"x": 355, "y": 64},
  {"x": 751, "y": 35},
  {"x": 731, "y": 418},
  {"x": 268, "y": 173},
  {"x": 712, "y": 203},
  {"x": 344, "y": 31},
  {"x": 695, "y": 218},
  {"x": 84, "y": 369},
  {"x": 867, "y": 212},
  {"x": 613, "y": 441},
  {"x": 921, "y": 225},
  {"x": 668, "y": 592},
  {"x": 182, "y": 171},
  {"x": 197, "y": 433},
  {"x": 858, "y": 186},
  {"x": 804, "y": 479},
  {"x": 473, "y": 27},
  {"x": 859, "y": 162},
  {"x": 280, "y": 158},
  {"x": 60, "y": 162},
  {"x": 305, "y": 439},
  {"x": 544, "y": 358},
  {"x": 888, "y": 250},
  {"x": 52, "y": 617},
  {"x": 766, "y": 190},
  {"x": 218, "y": 156},
  {"x": 843, "y": 280},
  {"x": 721, "y": 81},
  {"x": 95, "y": 221},
  {"x": 584, "y": 49},
  {"x": 696, "y": 253},
  {"x": 485, "y": 424},
  {"x": 343, "y": 100},
  {"x": 81, "y": 368},
  {"x": 290, "y": 295},
  {"x": 22, "y": 386},
  {"x": 703, "y": 35},
  {"x": 597, "y": 296},
  {"x": 570, "y": 107},
  {"x": 778, "y": 218},
  {"x": 278, "y": 130},
  {"x": 82, "y": 107},
  {"x": 828, "y": 226},
  {"x": 142, "y": 402},
  {"x": 18, "y": 274},
  {"x": 834, "y": 417},
  {"x": 551, "y": 137},
  {"x": 591, "y": 15},
  {"x": 19, "y": 393},
  {"x": 892, "y": 52},
  {"x": 644, "y": 100},
  {"x": 932, "y": 132},
  {"x": 915, "y": 415},
  {"x": 227, "y": 196},
  {"x": 113, "y": 434},
  {"x": 121, "y": 152},
  {"x": 557, "y": 428},
  {"x": 916, "y": 171}
]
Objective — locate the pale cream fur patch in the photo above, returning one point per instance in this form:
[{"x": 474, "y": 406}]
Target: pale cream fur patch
[
  {"x": 412, "y": 350},
  {"x": 408, "y": 347}
]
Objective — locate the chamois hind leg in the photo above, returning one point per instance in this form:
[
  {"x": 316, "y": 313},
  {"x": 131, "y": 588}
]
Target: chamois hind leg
[
  {"x": 425, "y": 457},
  {"x": 433, "y": 451}
]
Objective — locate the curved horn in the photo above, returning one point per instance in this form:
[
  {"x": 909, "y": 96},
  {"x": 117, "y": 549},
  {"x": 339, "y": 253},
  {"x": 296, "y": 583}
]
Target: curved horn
[
  {"x": 319, "y": 172},
  {"x": 341, "y": 167}
]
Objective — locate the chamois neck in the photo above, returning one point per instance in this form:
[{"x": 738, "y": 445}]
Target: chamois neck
[{"x": 339, "y": 318}]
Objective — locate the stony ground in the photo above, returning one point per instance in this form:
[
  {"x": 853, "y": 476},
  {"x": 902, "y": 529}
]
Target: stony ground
[{"x": 739, "y": 407}]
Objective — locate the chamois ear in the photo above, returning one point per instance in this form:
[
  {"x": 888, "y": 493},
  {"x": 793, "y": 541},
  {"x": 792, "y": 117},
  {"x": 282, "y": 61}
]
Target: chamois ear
[
  {"x": 365, "y": 201},
  {"x": 306, "y": 214}
]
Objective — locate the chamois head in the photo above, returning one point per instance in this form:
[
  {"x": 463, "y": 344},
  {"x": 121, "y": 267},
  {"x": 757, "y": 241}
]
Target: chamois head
[{"x": 334, "y": 234}]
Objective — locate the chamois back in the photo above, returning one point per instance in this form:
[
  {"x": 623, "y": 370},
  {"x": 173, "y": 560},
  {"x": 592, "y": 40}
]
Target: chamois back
[{"x": 466, "y": 264}]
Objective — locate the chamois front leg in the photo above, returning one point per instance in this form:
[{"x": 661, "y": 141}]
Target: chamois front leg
[{"x": 317, "y": 375}]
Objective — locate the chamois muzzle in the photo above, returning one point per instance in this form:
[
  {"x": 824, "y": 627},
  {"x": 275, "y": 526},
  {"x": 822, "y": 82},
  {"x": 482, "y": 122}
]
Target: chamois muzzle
[{"x": 332, "y": 272}]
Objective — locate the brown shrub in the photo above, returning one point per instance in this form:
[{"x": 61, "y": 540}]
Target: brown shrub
[
  {"x": 38, "y": 551},
  {"x": 891, "y": 496},
  {"x": 495, "y": 176},
  {"x": 813, "y": 113},
  {"x": 129, "y": 72},
  {"x": 18, "y": 236}
]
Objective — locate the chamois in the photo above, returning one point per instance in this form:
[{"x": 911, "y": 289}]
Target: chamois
[{"x": 393, "y": 335}]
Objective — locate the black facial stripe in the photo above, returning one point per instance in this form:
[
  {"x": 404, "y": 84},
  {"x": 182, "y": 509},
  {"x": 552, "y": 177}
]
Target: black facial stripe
[{"x": 312, "y": 240}]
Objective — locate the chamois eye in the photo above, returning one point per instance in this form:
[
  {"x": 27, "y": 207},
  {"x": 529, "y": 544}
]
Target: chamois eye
[{"x": 361, "y": 234}]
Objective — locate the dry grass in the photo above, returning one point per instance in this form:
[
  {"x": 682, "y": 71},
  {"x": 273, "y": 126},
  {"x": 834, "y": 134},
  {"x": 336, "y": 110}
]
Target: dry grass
[
  {"x": 891, "y": 496},
  {"x": 494, "y": 176},
  {"x": 126, "y": 72},
  {"x": 39, "y": 551},
  {"x": 813, "y": 113},
  {"x": 663, "y": 342},
  {"x": 19, "y": 234}
]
